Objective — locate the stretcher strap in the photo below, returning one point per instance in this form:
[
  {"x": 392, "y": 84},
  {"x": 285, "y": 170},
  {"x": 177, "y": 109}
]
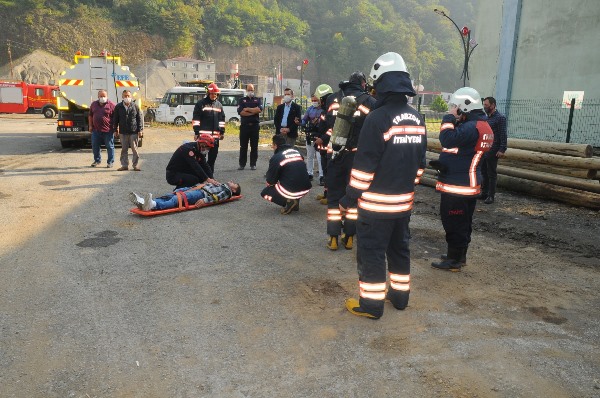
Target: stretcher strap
[{"x": 181, "y": 197}]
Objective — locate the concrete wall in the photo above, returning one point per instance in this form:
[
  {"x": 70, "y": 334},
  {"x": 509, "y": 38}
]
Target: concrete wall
[{"x": 556, "y": 49}]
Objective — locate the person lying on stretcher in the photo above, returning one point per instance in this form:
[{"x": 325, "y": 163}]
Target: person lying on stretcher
[{"x": 199, "y": 194}]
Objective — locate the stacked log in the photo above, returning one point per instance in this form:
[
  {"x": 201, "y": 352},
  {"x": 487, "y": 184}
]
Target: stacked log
[{"x": 558, "y": 171}]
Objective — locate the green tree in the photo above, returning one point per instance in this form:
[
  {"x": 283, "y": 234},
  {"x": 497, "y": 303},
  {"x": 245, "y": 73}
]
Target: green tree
[{"x": 439, "y": 105}]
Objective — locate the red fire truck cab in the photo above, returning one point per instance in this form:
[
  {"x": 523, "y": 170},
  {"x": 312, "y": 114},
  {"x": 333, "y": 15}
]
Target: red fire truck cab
[{"x": 21, "y": 97}]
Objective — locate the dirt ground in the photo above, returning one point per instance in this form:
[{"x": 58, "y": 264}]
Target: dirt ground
[{"x": 238, "y": 301}]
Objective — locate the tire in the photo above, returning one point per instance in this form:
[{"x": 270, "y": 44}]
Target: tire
[
  {"x": 179, "y": 121},
  {"x": 66, "y": 143},
  {"x": 49, "y": 112},
  {"x": 235, "y": 121}
]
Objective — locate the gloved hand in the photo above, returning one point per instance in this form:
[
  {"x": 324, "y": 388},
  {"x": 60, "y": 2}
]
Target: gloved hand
[{"x": 436, "y": 164}]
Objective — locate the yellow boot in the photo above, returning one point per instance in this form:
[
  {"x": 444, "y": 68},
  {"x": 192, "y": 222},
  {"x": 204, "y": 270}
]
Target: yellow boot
[
  {"x": 353, "y": 306},
  {"x": 332, "y": 244},
  {"x": 323, "y": 201},
  {"x": 347, "y": 241}
]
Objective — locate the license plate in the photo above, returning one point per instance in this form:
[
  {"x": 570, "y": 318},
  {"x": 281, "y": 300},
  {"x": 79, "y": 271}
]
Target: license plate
[{"x": 71, "y": 129}]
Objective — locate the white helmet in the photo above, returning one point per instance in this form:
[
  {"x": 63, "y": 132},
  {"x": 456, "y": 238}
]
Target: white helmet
[
  {"x": 466, "y": 99},
  {"x": 388, "y": 62}
]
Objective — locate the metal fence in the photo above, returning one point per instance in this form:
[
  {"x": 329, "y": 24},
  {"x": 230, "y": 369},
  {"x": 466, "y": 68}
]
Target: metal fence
[{"x": 547, "y": 120}]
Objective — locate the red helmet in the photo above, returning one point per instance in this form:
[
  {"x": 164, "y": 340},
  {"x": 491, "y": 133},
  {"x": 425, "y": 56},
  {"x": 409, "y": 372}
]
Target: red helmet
[
  {"x": 213, "y": 88},
  {"x": 206, "y": 139}
]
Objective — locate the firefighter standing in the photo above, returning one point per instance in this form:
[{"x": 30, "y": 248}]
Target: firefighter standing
[
  {"x": 340, "y": 161},
  {"x": 465, "y": 136},
  {"x": 209, "y": 118},
  {"x": 389, "y": 161},
  {"x": 322, "y": 92}
]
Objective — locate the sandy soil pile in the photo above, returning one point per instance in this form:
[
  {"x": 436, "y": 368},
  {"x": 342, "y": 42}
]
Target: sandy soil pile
[
  {"x": 154, "y": 79},
  {"x": 37, "y": 67}
]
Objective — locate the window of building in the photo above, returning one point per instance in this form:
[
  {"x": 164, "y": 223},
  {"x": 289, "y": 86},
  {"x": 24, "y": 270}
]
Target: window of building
[
  {"x": 207, "y": 66},
  {"x": 195, "y": 75},
  {"x": 173, "y": 73},
  {"x": 173, "y": 64},
  {"x": 185, "y": 64},
  {"x": 185, "y": 75}
]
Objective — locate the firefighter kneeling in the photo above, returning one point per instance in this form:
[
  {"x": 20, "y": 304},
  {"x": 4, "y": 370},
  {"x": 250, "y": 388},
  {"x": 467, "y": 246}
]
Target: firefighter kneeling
[
  {"x": 287, "y": 179},
  {"x": 388, "y": 163}
]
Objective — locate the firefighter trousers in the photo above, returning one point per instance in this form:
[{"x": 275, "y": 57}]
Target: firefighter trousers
[
  {"x": 212, "y": 155},
  {"x": 457, "y": 219},
  {"x": 378, "y": 239},
  {"x": 338, "y": 176},
  {"x": 271, "y": 194}
]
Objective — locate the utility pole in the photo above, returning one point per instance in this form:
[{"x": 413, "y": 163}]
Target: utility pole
[{"x": 10, "y": 58}]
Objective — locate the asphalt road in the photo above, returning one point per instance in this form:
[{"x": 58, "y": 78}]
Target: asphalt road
[{"x": 237, "y": 300}]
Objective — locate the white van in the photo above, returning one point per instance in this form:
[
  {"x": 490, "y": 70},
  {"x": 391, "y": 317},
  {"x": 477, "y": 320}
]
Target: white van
[{"x": 177, "y": 105}]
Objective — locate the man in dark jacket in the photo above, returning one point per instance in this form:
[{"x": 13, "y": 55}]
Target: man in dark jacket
[
  {"x": 209, "y": 118},
  {"x": 287, "y": 117},
  {"x": 188, "y": 165},
  {"x": 127, "y": 122},
  {"x": 489, "y": 163},
  {"x": 287, "y": 179},
  {"x": 465, "y": 136},
  {"x": 249, "y": 110},
  {"x": 388, "y": 163}
]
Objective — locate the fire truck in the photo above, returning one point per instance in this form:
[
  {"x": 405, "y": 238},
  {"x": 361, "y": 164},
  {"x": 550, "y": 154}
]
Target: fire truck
[
  {"x": 21, "y": 97},
  {"x": 79, "y": 86}
]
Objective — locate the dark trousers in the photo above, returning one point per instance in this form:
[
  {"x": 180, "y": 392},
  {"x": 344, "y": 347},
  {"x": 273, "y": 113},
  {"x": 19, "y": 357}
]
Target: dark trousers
[
  {"x": 249, "y": 132},
  {"x": 212, "y": 155},
  {"x": 457, "y": 219},
  {"x": 271, "y": 194},
  {"x": 489, "y": 164},
  {"x": 378, "y": 239},
  {"x": 181, "y": 180},
  {"x": 338, "y": 176},
  {"x": 324, "y": 161}
]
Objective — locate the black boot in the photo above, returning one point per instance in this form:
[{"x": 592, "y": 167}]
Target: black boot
[
  {"x": 398, "y": 298},
  {"x": 463, "y": 258},
  {"x": 452, "y": 263}
]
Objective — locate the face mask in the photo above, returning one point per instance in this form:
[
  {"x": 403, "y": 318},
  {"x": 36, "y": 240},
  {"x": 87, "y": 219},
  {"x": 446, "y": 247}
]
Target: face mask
[
  {"x": 127, "y": 100},
  {"x": 250, "y": 94},
  {"x": 102, "y": 100},
  {"x": 315, "y": 104},
  {"x": 287, "y": 98}
]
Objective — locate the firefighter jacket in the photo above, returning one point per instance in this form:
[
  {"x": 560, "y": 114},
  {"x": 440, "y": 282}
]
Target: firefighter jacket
[
  {"x": 323, "y": 131},
  {"x": 364, "y": 102},
  {"x": 287, "y": 172},
  {"x": 209, "y": 118},
  {"x": 389, "y": 161},
  {"x": 127, "y": 118},
  {"x": 188, "y": 159},
  {"x": 463, "y": 145}
]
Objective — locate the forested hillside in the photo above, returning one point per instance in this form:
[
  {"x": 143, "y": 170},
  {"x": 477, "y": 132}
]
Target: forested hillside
[{"x": 336, "y": 35}]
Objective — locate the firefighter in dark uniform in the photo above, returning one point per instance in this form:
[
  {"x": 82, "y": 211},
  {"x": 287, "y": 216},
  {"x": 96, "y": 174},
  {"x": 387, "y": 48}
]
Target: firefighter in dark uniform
[
  {"x": 340, "y": 161},
  {"x": 188, "y": 165},
  {"x": 465, "y": 136},
  {"x": 209, "y": 118},
  {"x": 287, "y": 178},
  {"x": 389, "y": 162}
]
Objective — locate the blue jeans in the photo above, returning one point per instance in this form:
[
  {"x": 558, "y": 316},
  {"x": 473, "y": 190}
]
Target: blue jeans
[
  {"x": 108, "y": 139},
  {"x": 170, "y": 201}
]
